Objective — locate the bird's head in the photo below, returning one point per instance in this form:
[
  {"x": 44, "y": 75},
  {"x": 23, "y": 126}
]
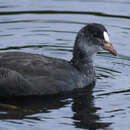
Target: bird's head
[{"x": 92, "y": 38}]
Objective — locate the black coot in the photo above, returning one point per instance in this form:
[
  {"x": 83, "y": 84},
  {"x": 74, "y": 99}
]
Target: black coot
[{"x": 25, "y": 74}]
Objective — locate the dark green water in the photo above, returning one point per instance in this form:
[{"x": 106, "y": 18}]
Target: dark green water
[{"x": 49, "y": 27}]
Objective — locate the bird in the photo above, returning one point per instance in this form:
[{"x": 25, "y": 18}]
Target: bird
[{"x": 26, "y": 74}]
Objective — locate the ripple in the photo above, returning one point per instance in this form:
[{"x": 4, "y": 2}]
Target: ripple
[
  {"x": 53, "y": 31},
  {"x": 115, "y": 92},
  {"x": 63, "y": 12},
  {"x": 34, "y": 46}
]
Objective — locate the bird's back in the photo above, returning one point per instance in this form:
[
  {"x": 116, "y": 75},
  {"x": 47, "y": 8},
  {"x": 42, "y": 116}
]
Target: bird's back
[{"x": 35, "y": 74}]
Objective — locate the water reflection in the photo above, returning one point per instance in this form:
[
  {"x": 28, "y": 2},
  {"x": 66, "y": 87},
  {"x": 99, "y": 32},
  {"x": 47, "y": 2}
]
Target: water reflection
[
  {"x": 85, "y": 112},
  {"x": 82, "y": 105}
]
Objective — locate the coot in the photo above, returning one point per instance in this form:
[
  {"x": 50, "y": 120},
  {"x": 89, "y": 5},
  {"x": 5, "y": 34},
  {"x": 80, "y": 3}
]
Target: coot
[{"x": 25, "y": 74}]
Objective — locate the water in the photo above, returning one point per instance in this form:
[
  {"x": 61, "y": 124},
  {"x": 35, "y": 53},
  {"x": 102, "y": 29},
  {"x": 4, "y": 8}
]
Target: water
[{"x": 49, "y": 28}]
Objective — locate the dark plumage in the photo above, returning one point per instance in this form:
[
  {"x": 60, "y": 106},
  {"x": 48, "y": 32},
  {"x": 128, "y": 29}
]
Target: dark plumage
[{"x": 24, "y": 74}]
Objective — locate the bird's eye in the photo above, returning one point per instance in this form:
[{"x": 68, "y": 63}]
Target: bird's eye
[
  {"x": 95, "y": 35},
  {"x": 99, "y": 35}
]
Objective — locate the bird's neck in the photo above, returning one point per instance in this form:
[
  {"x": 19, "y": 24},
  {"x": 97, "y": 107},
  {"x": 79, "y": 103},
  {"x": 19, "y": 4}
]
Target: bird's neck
[
  {"x": 83, "y": 62},
  {"x": 82, "y": 58}
]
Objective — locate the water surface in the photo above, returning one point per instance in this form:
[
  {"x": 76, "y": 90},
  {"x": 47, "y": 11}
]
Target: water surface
[{"x": 49, "y": 28}]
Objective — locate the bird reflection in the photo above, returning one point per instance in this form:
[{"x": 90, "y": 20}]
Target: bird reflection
[
  {"x": 85, "y": 115},
  {"x": 82, "y": 105}
]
